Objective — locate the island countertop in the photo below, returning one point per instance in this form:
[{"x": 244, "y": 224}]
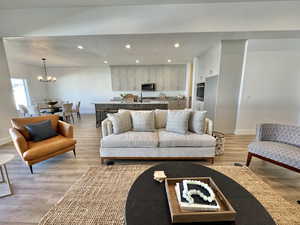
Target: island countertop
[{"x": 131, "y": 103}]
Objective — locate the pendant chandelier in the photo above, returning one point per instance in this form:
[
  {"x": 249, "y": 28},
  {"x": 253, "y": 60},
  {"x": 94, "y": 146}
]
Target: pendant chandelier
[{"x": 46, "y": 78}]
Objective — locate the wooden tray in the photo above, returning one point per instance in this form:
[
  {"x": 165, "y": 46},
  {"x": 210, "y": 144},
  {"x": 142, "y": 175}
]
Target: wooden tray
[{"x": 226, "y": 212}]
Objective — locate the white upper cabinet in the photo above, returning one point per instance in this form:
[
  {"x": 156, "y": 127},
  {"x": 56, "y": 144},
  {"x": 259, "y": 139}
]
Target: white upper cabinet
[{"x": 166, "y": 77}]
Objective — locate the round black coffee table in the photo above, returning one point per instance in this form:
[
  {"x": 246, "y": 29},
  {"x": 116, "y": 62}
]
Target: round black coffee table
[{"x": 147, "y": 202}]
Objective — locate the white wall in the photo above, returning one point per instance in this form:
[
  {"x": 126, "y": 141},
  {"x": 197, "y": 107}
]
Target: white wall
[
  {"x": 205, "y": 65},
  {"x": 229, "y": 84},
  {"x": 38, "y": 91},
  {"x": 210, "y": 61},
  {"x": 270, "y": 90},
  {"x": 7, "y": 110},
  {"x": 196, "y": 79},
  {"x": 85, "y": 84}
]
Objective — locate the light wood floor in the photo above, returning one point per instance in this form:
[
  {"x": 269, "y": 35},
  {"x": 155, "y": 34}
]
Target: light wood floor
[{"x": 36, "y": 194}]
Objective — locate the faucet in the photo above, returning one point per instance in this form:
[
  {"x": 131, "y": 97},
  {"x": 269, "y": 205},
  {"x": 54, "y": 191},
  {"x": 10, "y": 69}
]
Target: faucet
[{"x": 141, "y": 98}]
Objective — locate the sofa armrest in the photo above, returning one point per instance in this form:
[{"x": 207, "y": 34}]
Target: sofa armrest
[
  {"x": 208, "y": 127},
  {"x": 65, "y": 129},
  {"x": 19, "y": 141},
  {"x": 107, "y": 128}
]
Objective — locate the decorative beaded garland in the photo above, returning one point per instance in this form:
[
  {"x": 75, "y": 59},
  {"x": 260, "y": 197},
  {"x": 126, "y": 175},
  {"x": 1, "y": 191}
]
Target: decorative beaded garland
[{"x": 187, "y": 194}]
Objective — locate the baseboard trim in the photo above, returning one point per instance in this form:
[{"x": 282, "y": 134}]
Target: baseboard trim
[
  {"x": 5, "y": 140},
  {"x": 245, "y": 132}
]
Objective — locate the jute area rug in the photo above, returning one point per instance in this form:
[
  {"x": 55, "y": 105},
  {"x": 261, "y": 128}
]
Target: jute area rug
[{"x": 99, "y": 196}]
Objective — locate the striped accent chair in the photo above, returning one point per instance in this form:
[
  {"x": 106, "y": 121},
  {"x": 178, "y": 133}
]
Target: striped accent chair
[{"x": 278, "y": 144}]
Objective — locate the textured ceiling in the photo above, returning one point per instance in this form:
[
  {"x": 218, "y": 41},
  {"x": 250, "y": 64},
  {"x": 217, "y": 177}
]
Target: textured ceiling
[
  {"x": 148, "y": 49},
  {"x": 25, "y": 4}
]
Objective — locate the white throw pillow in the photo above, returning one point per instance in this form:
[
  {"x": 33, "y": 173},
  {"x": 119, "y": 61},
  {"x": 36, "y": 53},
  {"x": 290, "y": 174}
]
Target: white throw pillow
[
  {"x": 197, "y": 121},
  {"x": 178, "y": 121},
  {"x": 143, "y": 121},
  {"x": 121, "y": 122},
  {"x": 161, "y": 118}
]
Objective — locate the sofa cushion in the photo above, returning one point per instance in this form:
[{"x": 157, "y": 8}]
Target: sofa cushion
[
  {"x": 177, "y": 121},
  {"x": 131, "y": 139},
  {"x": 197, "y": 121},
  {"x": 48, "y": 146},
  {"x": 284, "y": 153},
  {"x": 143, "y": 121},
  {"x": 170, "y": 139},
  {"x": 121, "y": 122},
  {"x": 161, "y": 118}
]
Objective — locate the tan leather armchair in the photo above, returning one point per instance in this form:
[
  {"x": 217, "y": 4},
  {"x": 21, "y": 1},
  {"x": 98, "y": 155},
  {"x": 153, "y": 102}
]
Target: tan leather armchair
[{"x": 34, "y": 152}]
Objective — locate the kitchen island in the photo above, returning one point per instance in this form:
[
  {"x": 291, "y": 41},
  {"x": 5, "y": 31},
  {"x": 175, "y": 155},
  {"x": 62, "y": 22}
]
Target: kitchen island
[{"x": 102, "y": 108}]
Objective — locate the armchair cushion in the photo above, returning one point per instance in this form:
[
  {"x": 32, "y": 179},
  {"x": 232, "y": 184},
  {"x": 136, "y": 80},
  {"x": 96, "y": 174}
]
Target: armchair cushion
[
  {"x": 39, "y": 149},
  {"x": 287, "y": 134},
  {"x": 41, "y": 130},
  {"x": 65, "y": 129},
  {"x": 286, "y": 154},
  {"x": 19, "y": 123},
  {"x": 18, "y": 140}
]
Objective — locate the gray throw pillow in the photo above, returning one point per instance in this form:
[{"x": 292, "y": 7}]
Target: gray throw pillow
[
  {"x": 161, "y": 118},
  {"x": 178, "y": 121},
  {"x": 143, "y": 121},
  {"x": 121, "y": 122},
  {"x": 40, "y": 131},
  {"x": 197, "y": 121}
]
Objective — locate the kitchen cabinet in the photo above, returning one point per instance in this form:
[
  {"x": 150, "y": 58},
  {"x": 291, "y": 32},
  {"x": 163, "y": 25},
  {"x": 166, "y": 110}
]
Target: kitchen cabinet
[{"x": 166, "y": 77}]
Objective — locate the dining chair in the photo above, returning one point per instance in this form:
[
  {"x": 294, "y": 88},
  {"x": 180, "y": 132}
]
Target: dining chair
[
  {"x": 23, "y": 109},
  {"x": 77, "y": 110},
  {"x": 34, "y": 110},
  {"x": 68, "y": 112}
]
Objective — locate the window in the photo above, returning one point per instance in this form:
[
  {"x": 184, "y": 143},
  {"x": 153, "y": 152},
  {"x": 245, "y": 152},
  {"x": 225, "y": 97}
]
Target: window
[{"x": 20, "y": 91}]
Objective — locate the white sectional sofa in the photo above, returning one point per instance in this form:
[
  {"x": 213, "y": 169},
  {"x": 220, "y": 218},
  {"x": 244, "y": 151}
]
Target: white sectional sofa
[{"x": 157, "y": 145}]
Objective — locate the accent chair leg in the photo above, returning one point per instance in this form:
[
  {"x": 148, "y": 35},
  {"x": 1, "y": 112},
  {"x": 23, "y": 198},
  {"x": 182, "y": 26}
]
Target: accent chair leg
[
  {"x": 30, "y": 167},
  {"x": 74, "y": 152},
  {"x": 249, "y": 159},
  {"x": 212, "y": 160}
]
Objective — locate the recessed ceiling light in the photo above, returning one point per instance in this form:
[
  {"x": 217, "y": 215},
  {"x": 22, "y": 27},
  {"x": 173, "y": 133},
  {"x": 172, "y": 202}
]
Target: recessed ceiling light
[
  {"x": 169, "y": 60},
  {"x": 80, "y": 47},
  {"x": 137, "y": 61},
  {"x": 177, "y": 45},
  {"x": 128, "y": 46},
  {"x": 105, "y": 61}
]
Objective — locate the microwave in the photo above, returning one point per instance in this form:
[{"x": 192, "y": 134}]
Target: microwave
[
  {"x": 200, "y": 91},
  {"x": 148, "y": 87}
]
